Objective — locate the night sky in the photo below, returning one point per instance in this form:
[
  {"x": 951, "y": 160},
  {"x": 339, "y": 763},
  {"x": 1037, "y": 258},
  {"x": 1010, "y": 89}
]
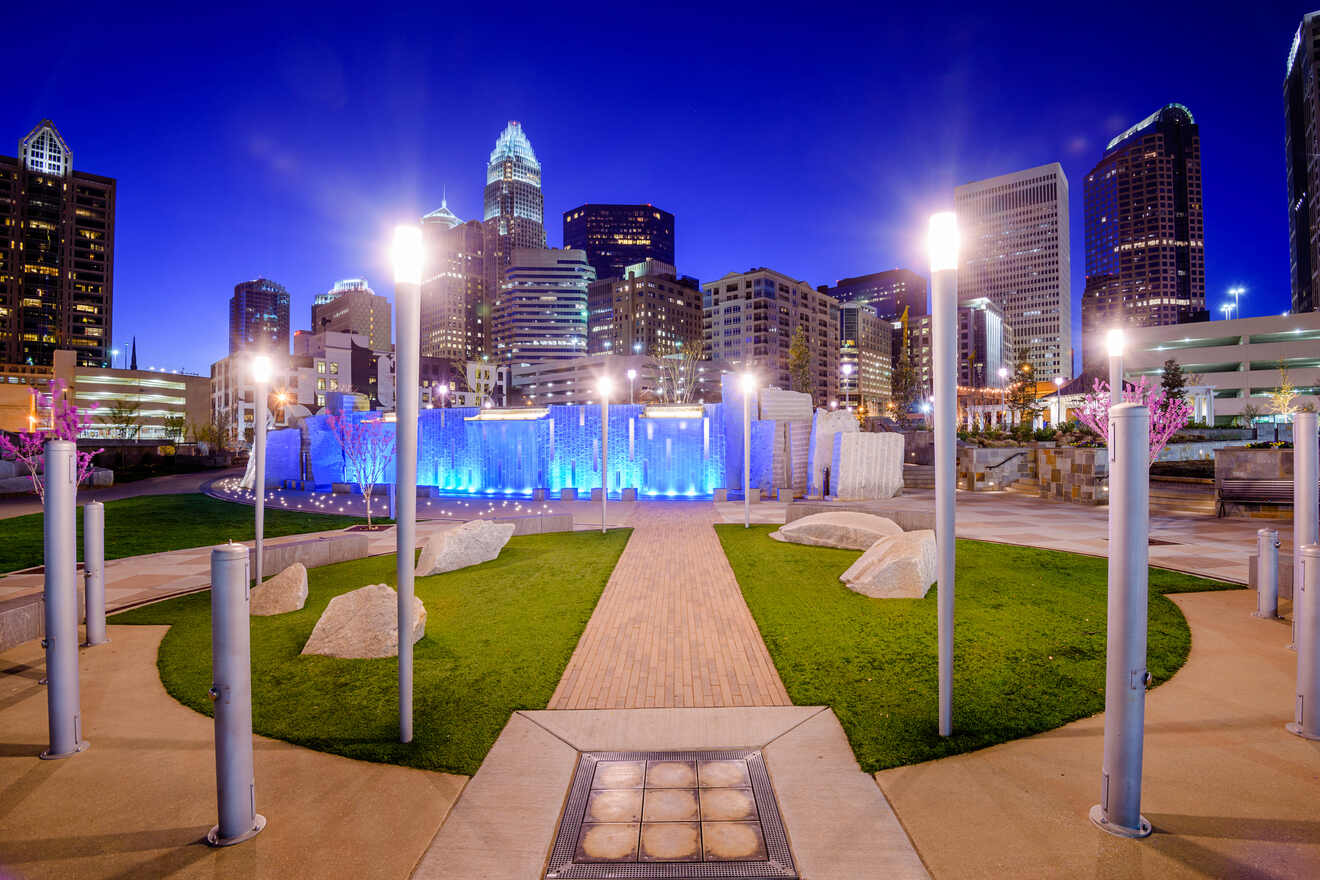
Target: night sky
[{"x": 288, "y": 142}]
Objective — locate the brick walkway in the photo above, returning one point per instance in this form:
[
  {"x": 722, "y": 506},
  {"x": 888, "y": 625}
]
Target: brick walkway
[{"x": 671, "y": 629}]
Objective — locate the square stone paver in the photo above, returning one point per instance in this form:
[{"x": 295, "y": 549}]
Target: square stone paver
[{"x": 672, "y": 815}]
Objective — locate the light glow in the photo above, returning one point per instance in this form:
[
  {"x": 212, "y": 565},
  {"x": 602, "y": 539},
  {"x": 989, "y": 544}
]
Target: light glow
[
  {"x": 1116, "y": 341},
  {"x": 747, "y": 382},
  {"x": 261, "y": 369},
  {"x": 605, "y": 385},
  {"x": 407, "y": 255},
  {"x": 943, "y": 241}
]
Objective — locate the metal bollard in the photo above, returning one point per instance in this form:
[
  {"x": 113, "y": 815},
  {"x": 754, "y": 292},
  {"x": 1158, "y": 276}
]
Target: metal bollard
[
  {"x": 1307, "y": 723},
  {"x": 1126, "y": 678},
  {"x": 94, "y": 571},
  {"x": 1267, "y": 574},
  {"x": 63, "y": 709},
  {"x": 231, "y": 666},
  {"x": 1306, "y": 504}
]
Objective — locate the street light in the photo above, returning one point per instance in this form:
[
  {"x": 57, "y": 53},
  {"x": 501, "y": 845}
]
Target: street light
[
  {"x": 1115, "y": 341},
  {"x": 1003, "y": 389},
  {"x": 632, "y": 374},
  {"x": 1237, "y": 292},
  {"x": 604, "y": 386},
  {"x": 944, "y": 330},
  {"x": 407, "y": 309},
  {"x": 847, "y": 370},
  {"x": 261, "y": 370},
  {"x": 748, "y": 385},
  {"x": 1058, "y": 401}
]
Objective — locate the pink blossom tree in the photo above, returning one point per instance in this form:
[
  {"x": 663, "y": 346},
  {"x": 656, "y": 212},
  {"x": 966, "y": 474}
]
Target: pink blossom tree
[
  {"x": 67, "y": 422},
  {"x": 367, "y": 448},
  {"x": 1167, "y": 414}
]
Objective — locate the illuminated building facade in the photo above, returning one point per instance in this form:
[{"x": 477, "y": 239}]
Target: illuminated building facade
[
  {"x": 514, "y": 215},
  {"x": 541, "y": 311},
  {"x": 618, "y": 236},
  {"x": 887, "y": 293},
  {"x": 1301, "y": 143},
  {"x": 1145, "y": 237},
  {"x": 56, "y": 254},
  {"x": 353, "y": 307},
  {"x": 259, "y": 317},
  {"x": 1015, "y": 252},
  {"x": 865, "y": 357},
  {"x": 648, "y": 311},
  {"x": 456, "y": 303}
]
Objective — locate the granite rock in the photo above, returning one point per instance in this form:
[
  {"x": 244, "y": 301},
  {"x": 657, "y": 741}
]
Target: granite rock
[
  {"x": 285, "y": 592},
  {"x": 363, "y": 623},
  {"x": 847, "y": 529},
  {"x": 469, "y": 544},
  {"x": 901, "y": 567}
]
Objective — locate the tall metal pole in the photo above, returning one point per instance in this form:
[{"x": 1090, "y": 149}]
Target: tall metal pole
[
  {"x": 604, "y": 453},
  {"x": 1306, "y": 478},
  {"x": 63, "y": 703},
  {"x": 231, "y": 689},
  {"x": 1306, "y": 723},
  {"x": 1115, "y": 379},
  {"x": 407, "y": 305},
  {"x": 94, "y": 571},
  {"x": 747, "y": 455},
  {"x": 1119, "y": 810},
  {"x": 259, "y": 478},
  {"x": 944, "y": 327},
  {"x": 1267, "y": 574}
]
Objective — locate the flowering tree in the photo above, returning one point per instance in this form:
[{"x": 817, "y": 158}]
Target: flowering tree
[
  {"x": 1167, "y": 414},
  {"x": 367, "y": 447},
  {"x": 67, "y": 422}
]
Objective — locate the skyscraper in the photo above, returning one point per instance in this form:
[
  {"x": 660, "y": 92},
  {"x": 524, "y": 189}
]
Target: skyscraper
[
  {"x": 259, "y": 317},
  {"x": 56, "y": 254},
  {"x": 456, "y": 302},
  {"x": 353, "y": 307},
  {"x": 1015, "y": 252},
  {"x": 1145, "y": 239},
  {"x": 514, "y": 207},
  {"x": 888, "y": 293},
  {"x": 541, "y": 311},
  {"x": 866, "y": 365},
  {"x": 618, "y": 236},
  {"x": 648, "y": 311},
  {"x": 1301, "y": 143}
]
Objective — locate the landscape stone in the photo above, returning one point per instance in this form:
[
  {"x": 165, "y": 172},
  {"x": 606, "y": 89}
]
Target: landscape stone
[
  {"x": 867, "y": 465},
  {"x": 285, "y": 592},
  {"x": 846, "y": 529},
  {"x": 824, "y": 425},
  {"x": 469, "y": 544},
  {"x": 362, "y": 624},
  {"x": 901, "y": 567}
]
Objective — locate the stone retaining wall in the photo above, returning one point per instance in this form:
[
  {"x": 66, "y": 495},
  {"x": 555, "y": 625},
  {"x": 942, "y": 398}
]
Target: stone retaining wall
[{"x": 1073, "y": 473}]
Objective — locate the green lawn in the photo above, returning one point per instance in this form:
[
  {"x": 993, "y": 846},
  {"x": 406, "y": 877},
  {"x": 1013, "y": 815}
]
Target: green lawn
[
  {"x": 155, "y": 523},
  {"x": 1029, "y": 643},
  {"x": 498, "y": 636}
]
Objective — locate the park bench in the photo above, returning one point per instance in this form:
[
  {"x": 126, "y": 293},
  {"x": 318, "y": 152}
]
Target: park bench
[{"x": 1255, "y": 492}]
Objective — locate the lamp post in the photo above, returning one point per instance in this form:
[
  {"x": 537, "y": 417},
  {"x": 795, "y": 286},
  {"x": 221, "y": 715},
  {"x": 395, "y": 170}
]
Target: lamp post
[
  {"x": 1115, "y": 341},
  {"x": 1227, "y": 309},
  {"x": 261, "y": 382},
  {"x": 748, "y": 385},
  {"x": 944, "y": 332},
  {"x": 1058, "y": 401},
  {"x": 604, "y": 386},
  {"x": 1237, "y": 292},
  {"x": 407, "y": 309},
  {"x": 1003, "y": 393},
  {"x": 847, "y": 370},
  {"x": 1306, "y": 530},
  {"x": 632, "y": 374}
]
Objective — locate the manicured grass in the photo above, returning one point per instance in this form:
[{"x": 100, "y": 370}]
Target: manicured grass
[
  {"x": 156, "y": 523},
  {"x": 498, "y": 636},
  {"x": 1029, "y": 642}
]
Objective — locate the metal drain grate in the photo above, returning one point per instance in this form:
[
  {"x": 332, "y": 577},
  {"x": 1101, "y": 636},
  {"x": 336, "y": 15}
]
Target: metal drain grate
[{"x": 676, "y": 815}]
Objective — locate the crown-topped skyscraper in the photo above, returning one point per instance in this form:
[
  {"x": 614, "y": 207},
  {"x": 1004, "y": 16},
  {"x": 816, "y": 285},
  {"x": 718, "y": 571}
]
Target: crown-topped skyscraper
[{"x": 514, "y": 207}]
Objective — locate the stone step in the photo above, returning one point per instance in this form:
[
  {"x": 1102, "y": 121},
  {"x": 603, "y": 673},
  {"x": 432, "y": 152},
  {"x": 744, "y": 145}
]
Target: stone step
[
  {"x": 1026, "y": 486},
  {"x": 918, "y": 476}
]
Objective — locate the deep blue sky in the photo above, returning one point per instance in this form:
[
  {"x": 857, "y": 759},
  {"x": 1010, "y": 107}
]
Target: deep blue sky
[{"x": 814, "y": 140}]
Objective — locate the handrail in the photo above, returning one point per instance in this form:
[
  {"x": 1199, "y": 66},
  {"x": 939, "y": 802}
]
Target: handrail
[{"x": 1006, "y": 461}]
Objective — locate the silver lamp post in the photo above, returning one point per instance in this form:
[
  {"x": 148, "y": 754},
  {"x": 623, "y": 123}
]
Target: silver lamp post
[
  {"x": 1115, "y": 341},
  {"x": 261, "y": 369},
  {"x": 1003, "y": 395},
  {"x": 407, "y": 310},
  {"x": 1126, "y": 678},
  {"x": 748, "y": 385},
  {"x": 632, "y": 374},
  {"x": 1058, "y": 401},
  {"x": 944, "y": 330},
  {"x": 1306, "y": 530},
  {"x": 604, "y": 386}
]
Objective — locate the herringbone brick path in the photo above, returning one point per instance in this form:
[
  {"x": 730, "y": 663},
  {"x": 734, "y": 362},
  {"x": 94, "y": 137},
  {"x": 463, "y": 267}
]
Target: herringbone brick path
[{"x": 671, "y": 628}]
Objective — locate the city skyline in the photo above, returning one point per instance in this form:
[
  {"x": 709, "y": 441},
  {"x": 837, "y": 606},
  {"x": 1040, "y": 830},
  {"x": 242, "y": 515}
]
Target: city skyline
[{"x": 327, "y": 203}]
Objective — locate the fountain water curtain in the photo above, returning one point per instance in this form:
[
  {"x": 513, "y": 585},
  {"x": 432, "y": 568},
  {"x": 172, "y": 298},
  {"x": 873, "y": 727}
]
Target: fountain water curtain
[{"x": 670, "y": 452}]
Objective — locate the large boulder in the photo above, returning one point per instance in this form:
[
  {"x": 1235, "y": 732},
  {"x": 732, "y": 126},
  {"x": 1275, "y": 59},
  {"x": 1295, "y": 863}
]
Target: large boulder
[
  {"x": 478, "y": 541},
  {"x": 847, "y": 529},
  {"x": 363, "y": 623},
  {"x": 867, "y": 465},
  {"x": 285, "y": 592},
  {"x": 901, "y": 567}
]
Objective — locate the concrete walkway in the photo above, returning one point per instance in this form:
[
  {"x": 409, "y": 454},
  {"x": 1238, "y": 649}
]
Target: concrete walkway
[
  {"x": 671, "y": 628},
  {"x": 139, "y": 801}
]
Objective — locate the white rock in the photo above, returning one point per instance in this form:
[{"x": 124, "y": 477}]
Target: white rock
[
  {"x": 867, "y": 465},
  {"x": 901, "y": 567},
  {"x": 363, "y": 623},
  {"x": 285, "y": 592},
  {"x": 824, "y": 425},
  {"x": 478, "y": 541},
  {"x": 848, "y": 529}
]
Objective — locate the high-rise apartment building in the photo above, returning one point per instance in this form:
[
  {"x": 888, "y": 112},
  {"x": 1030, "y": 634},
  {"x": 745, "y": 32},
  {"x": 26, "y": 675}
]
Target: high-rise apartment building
[
  {"x": 1145, "y": 238},
  {"x": 985, "y": 347},
  {"x": 1301, "y": 144},
  {"x": 56, "y": 254},
  {"x": 456, "y": 301},
  {"x": 650, "y": 310},
  {"x": 1015, "y": 252},
  {"x": 866, "y": 367},
  {"x": 259, "y": 317},
  {"x": 887, "y": 293},
  {"x": 618, "y": 236},
  {"x": 751, "y": 318},
  {"x": 514, "y": 214},
  {"x": 351, "y": 306},
  {"x": 541, "y": 311}
]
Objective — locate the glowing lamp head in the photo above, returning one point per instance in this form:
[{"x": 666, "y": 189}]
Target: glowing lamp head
[
  {"x": 407, "y": 255},
  {"x": 605, "y": 385},
  {"x": 925, "y": 407},
  {"x": 747, "y": 382},
  {"x": 1115, "y": 341},
  {"x": 632, "y": 374},
  {"x": 943, "y": 241},
  {"x": 1003, "y": 372},
  {"x": 1058, "y": 381},
  {"x": 834, "y": 404},
  {"x": 488, "y": 404},
  {"x": 442, "y": 388},
  {"x": 847, "y": 369},
  {"x": 261, "y": 369}
]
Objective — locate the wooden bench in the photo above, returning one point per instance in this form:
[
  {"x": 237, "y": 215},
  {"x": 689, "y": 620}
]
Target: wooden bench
[{"x": 1255, "y": 492}]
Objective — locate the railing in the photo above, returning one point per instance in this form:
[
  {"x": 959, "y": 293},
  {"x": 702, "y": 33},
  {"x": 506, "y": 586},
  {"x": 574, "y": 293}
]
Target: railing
[{"x": 1007, "y": 460}]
